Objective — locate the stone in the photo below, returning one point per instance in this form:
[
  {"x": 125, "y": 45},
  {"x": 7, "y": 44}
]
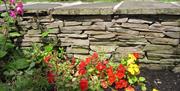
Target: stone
[
  {"x": 121, "y": 20},
  {"x": 124, "y": 51},
  {"x": 46, "y": 20},
  {"x": 105, "y": 36},
  {"x": 86, "y": 23},
  {"x": 155, "y": 26},
  {"x": 96, "y": 32},
  {"x": 152, "y": 47},
  {"x": 97, "y": 27},
  {"x": 170, "y": 60},
  {"x": 104, "y": 49},
  {"x": 72, "y": 23},
  {"x": 77, "y": 50},
  {"x": 151, "y": 66},
  {"x": 170, "y": 23},
  {"x": 31, "y": 39},
  {"x": 130, "y": 25},
  {"x": 106, "y": 24},
  {"x": 78, "y": 42},
  {"x": 176, "y": 69},
  {"x": 157, "y": 56},
  {"x": 139, "y": 21},
  {"x": 33, "y": 32},
  {"x": 75, "y": 28},
  {"x": 81, "y": 56},
  {"x": 54, "y": 31},
  {"x": 81, "y": 36},
  {"x": 173, "y": 34},
  {"x": 123, "y": 31},
  {"x": 152, "y": 34},
  {"x": 165, "y": 41},
  {"x": 171, "y": 29},
  {"x": 55, "y": 24},
  {"x": 110, "y": 43}
]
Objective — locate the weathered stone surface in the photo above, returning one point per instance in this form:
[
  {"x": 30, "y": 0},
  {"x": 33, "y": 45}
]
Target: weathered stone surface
[
  {"x": 176, "y": 69},
  {"x": 105, "y": 49},
  {"x": 105, "y": 36},
  {"x": 156, "y": 56},
  {"x": 131, "y": 38},
  {"x": 155, "y": 26},
  {"x": 54, "y": 31},
  {"x": 110, "y": 43},
  {"x": 80, "y": 56},
  {"x": 171, "y": 29},
  {"x": 97, "y": 27},
  {"x": 78, "y": 42},
  {"x": 139, "y": 21},
  {"x": 121, "y": 20},
  {"x": 86, "y": 23},
  {"x": 151, "y": 47},
  {"x": 164, "y": 41},
  {"x": 170, "y": 23},
  {"x": 46, "y": 20},
  {"x": 72, "y": 23},
  {"x": 152, "y": 34},
  {"x": 170, "y": 60},
  {"x": 123, "y": 31},
  {"x": 172, "y": 34},
  {"x": 55, "y": 24},
  {"x": 96, "y": 32},
  {"x": 82, "y": 36},
  {"x": 131, "y": 25},
  {"x": 152, "y": 66},
  {"x": 33, "y": 32},
  {"x": 77, "y": 50},
  {"x": 31, "y": 39}
]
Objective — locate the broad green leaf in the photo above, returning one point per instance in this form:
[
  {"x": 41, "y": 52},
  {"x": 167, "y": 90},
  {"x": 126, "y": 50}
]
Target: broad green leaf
[
  {"x": 44, "y": 34},
  {"x": 48, "y": 48},
  {"x": 18, "y": 64},
  {"x": 142, "y": 79},
  {"x": 14, "y": 34},
  {"x": 2, "y": 53},
  {"x": 143, "y": 88}
]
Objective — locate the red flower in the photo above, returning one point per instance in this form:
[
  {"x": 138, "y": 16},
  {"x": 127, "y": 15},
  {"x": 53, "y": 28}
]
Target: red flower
[
  {"x": 105, "y": 61},
  {"x": 83, "y": 84},
  {"x": 136, "y": 55},
  {"x": 120, "y": 75},
  {"x": 121, "y": 84},
  {"x": 95, "y": 55},
  {"x": 47, "y": 58},
  {"x": 110, "y": 71},
  {"x": 51, "y": 77},
  {"x": 111, "y": 79},
  {"x": 82, "y": 65},
  {"x": 82, "y": 71},
  {"x": 121, "y": 68},
  {"x": 100, "y": 66},
  {"x": 88, "y": 60},
  {"x": 73, "y": 61}
]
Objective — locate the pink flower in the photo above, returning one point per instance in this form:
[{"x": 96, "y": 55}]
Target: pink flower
[
  {"x": 12, "y": 1},
  {"x": 13, "y": 14},
  {"x": 19, "y": 8}
]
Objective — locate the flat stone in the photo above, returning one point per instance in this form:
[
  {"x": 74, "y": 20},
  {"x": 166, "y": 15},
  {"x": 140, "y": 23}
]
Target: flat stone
[
  {"x": 41, "y": 6},
  {"x": 73, "y": 29},
  {"x": 172, "y": 34},
  {"x": 105, "y": 36},
  {"x": 152, "y": 66},
  {"x": 33, "y": 32},
  {"x": 86, "y": 9},
  {"x": 54, "y": 31},
  {"x": 170, "y": 60},
  {"x": 130, "y": 25},
  {"x": 166, "y": 41},
  {"x": 31, "y": 39},
  {"x": 121, "y": 20},
  {"x": 55, "y": 24},
  {"x": 110, "y": 43},
  {"x": 97, "y": 27},
  {"x": 81, "y": 56},
  {"x": 147, "y": 7},
  {"x": 104, "y": 49},
  {"x": 96, "y": 32},
  {"x": 152, "y": 34},
  {"x": 155, "y": 26},
  {"x": 82, "y": 36},
  {"x": 176, "y": 70},
  {"x": 72, "y": 23},
  {"x": 170, "y": 23},
  {"x": 151, "y": 47},
  {"x": 86, "y": 23},
  {"x": 131, "y": 38},
  {"x": 156, "y": 56},
  {"x": 139, "y": 21},
  {"x": 78, "y": 42},
  {"x": 77, "y": 50},
  {"x": 123, "y": 31},
  {"x": 171, "y": 29}
]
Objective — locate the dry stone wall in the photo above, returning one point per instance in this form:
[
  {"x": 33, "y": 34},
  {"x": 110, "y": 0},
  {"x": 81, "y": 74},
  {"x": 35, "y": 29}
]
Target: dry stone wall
[{"x": 155, "y": 36}]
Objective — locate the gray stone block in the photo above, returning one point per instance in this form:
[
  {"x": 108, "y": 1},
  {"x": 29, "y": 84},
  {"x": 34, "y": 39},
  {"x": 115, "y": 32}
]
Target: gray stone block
[{"x": 165, "y": 41}]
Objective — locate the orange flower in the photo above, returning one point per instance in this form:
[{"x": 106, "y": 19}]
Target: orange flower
[
  {"x": 129, "y": 88},
  {"x": 47, "y": 58},
  {"x": 136, "y": 55},
  {"x": 121, "y": 84},
  {"x": 111, "y": 79}
]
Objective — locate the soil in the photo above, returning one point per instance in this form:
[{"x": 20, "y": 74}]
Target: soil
[{"x": 163, "y": 80}]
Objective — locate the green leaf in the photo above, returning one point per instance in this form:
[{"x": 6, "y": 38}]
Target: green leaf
[
  {"x": 18, "y": 64},
  {"x": 14, "y": 34},
  {"x": 143, "y": 88},
  {"x": 48, "y": 48},
  {"x": 45, "y": 34},
  {"x": 142, "y": 79},
  {"x": 2, "y": 53}
]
